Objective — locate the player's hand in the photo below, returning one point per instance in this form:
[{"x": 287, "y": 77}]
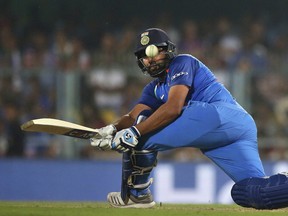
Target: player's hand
[
  {"x": 103, "y": 143},
  {"x": 125, "y": 139},
  {"x": 105, "y": 131}
]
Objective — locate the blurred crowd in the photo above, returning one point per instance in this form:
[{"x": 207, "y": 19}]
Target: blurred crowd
[{"x": 249, "y": 57}]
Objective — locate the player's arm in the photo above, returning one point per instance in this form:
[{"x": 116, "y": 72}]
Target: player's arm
[
  {"x": 129, "y": 119},
  {"x": 167, "y": 112},
  {"x": 103, "y": 139},
  {"x": 128, "y": 138},
  {"x": 123, "y": 122}
]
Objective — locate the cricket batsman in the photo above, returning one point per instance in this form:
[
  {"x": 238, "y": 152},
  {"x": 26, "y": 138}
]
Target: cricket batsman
[{"x": 185, "y": 106}]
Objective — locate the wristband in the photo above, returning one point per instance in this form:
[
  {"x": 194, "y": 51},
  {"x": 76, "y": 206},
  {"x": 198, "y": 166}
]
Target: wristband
[{"x": 135, "y": 131}]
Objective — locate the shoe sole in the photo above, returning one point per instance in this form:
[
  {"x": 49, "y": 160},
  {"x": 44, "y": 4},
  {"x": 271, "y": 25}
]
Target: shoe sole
[
  {"x": 134, "y": 205},
  {"x": 115, "y": 200}
]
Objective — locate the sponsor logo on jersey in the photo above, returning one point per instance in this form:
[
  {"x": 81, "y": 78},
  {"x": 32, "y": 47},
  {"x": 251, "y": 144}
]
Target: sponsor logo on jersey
[{"x": 178, "y": 75}]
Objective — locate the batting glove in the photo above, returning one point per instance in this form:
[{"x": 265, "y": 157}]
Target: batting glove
[
  {"x": 126, "y": 139},
  {"x": 104, "y": 143},
  {"x": 105, "y": 131}
]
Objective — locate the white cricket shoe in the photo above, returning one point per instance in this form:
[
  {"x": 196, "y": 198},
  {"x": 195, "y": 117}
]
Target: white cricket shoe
[{"x": 145, "y": 201}]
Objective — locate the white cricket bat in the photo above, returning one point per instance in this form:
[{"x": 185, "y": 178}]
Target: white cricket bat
[{"x": 56, "y": 126}]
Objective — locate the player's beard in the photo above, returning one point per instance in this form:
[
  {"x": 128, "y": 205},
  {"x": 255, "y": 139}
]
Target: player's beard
[{"x": 156, "y": 68}]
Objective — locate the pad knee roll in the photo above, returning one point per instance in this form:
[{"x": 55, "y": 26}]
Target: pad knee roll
[{"x": 262, "y": 193}]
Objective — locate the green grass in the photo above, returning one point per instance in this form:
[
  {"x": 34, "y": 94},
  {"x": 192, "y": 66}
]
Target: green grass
[{"x": 103, "y": 209}]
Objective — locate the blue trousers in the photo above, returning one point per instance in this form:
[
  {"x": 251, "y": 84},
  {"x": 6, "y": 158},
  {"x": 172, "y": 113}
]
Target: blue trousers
[{"x": 224, "y": 132}]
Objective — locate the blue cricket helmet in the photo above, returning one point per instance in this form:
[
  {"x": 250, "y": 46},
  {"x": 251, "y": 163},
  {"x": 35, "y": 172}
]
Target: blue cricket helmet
[{"x": 159, "y": 38}]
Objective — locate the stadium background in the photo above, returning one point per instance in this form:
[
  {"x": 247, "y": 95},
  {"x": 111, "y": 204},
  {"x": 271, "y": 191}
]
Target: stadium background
[{"x": 74, "y": 60}]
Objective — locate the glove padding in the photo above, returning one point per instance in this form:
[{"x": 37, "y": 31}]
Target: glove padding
[
  {"x": 103, "y": 143},
  {"x": 105, "y": 131},
  {"x": 125, "y": 139},
  {"x": 104, "y": 137}
]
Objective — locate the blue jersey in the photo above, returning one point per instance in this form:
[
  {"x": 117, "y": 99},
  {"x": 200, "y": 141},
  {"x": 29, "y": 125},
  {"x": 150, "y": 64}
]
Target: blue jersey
[
  {"x": 212, "y": 120},
  {"x": 186, "y": 70}
]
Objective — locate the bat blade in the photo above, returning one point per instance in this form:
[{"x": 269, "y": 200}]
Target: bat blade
[{"x": 60, "y": 127}]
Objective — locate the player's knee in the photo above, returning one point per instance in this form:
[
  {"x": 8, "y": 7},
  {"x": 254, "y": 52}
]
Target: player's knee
[{"x": 262, "y": 193}]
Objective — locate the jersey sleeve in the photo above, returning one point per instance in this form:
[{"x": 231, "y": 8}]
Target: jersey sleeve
[
  {"x": 182, "y": 72},
  {"x": 148, "y": 96}
]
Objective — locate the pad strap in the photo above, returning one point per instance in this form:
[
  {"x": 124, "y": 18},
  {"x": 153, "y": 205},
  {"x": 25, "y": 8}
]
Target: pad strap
[{"x": 143, "y": 163}]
